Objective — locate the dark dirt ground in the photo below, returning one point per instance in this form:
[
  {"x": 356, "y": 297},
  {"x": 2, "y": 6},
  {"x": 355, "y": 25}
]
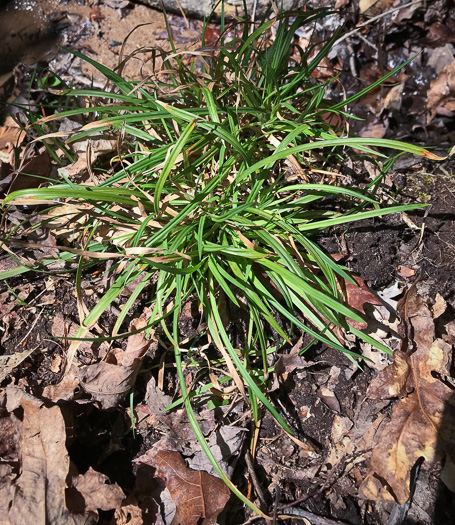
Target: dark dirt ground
[{"x": 317, "y": 480}]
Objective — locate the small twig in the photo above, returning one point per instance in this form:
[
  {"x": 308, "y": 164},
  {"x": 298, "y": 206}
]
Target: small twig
[
  {"x": 427, "y": 211},
  {"x": 183, "y": 14},
  {"x": 253, "y": 16},
  {"x": 311, "y": 494},
  {"x": 368, "y": 43},
  {"x": 352, "y": 61},
  {"x": 31, "y": 328},
  {"x": 313, "y": 518},
  {"x": 371, "y": 20},
  {"x": 422, "y": 231},
  {"x": 275, "y": 506},
  {"x": 254, "y": 479}
]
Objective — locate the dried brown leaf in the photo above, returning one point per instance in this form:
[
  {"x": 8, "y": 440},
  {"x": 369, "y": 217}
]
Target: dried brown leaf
[
  {"x": 441, "y": 94},
  {"x": 406, "y": 272},
  {"x": 423, "y": 421},
  {"x": 96, "y": 492},
  {"x": 109, "y": 383},
  {"x": 9, "y": 362},
  {"x": 6, "y": 491},
  {"x": 9, "y": 432},
  {"x": 66, "y": 390},
  {"x": 63, "y": 327},
  {"x": 31, "y": 175},
  {"x": 10, "y": 135},
  {"x": 128, "y": 515},
  {"x": 439, "y": 307},
  {"x": 340, "y": 427},
  {"x": 393, "y": 98},
  {"x": 439, "y": 34},
  {"x": 88, "y": 150},
  {"x": 375, "y": 130},
  {"x": 357, "y": 297},
  {"x": 374, "y": 6},
  {"x": 441, "y": 57},
  {"x": 195, "y": 493},
  {"x": 286, "y": 364},
  {"x": 39, "y": 492},
  {"x": 329, "y": 398}
]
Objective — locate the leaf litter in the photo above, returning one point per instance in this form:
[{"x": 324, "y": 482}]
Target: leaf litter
[
  {"x": 352, "y": 429},
  {"x": 197, "y": 495},
  {"x": 38, "y": 489},
  {"x": 422, "y": 423}
]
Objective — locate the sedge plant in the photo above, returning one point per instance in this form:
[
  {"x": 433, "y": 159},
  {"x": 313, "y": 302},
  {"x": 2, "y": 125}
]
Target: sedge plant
[{"x": 210, "y": 197}]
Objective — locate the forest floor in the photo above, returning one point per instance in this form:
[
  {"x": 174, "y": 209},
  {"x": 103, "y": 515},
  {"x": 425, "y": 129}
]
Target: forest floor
[{"x": 374, "y": 445}]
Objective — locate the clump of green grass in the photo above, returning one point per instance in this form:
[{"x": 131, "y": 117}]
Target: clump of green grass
[{"x": 208, "y": 197}]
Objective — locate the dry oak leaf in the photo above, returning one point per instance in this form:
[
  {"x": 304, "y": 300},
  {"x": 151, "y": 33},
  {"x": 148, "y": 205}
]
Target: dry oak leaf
[
  {"x": 196, "y": 493},
  {"x": 422, "y": 423}
]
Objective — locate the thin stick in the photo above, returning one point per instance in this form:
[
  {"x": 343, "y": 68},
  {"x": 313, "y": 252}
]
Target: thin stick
[
  {"x": 255, "y": 481},
  {"x": 32, "y": 327}
]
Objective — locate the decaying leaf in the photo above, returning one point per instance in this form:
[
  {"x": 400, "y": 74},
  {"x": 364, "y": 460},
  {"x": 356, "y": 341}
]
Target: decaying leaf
[
  {"x": 357, "y": 297},
  {"x": 9, "y": 443},
  {"x": 423, "y": 421},
  {"x": 109, "y": 383},
  {"x": 38, "y": 494},
  {"x": 439, "y": 307},
  {"x": 374, "y": 6},
  {"x": 195, "y": 493},
  {"x": 31, "y": 175},
  {"x": 9, "y": 362},
  {"x": 40, "y": 489},
  {"x": 96, "y": 492},
  {"x": 88, "y": 150},
  {"x": 441, "y": 94}
]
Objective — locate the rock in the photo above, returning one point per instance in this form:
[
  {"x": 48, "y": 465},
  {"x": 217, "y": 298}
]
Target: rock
[{"x": 201, "y": 8}]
